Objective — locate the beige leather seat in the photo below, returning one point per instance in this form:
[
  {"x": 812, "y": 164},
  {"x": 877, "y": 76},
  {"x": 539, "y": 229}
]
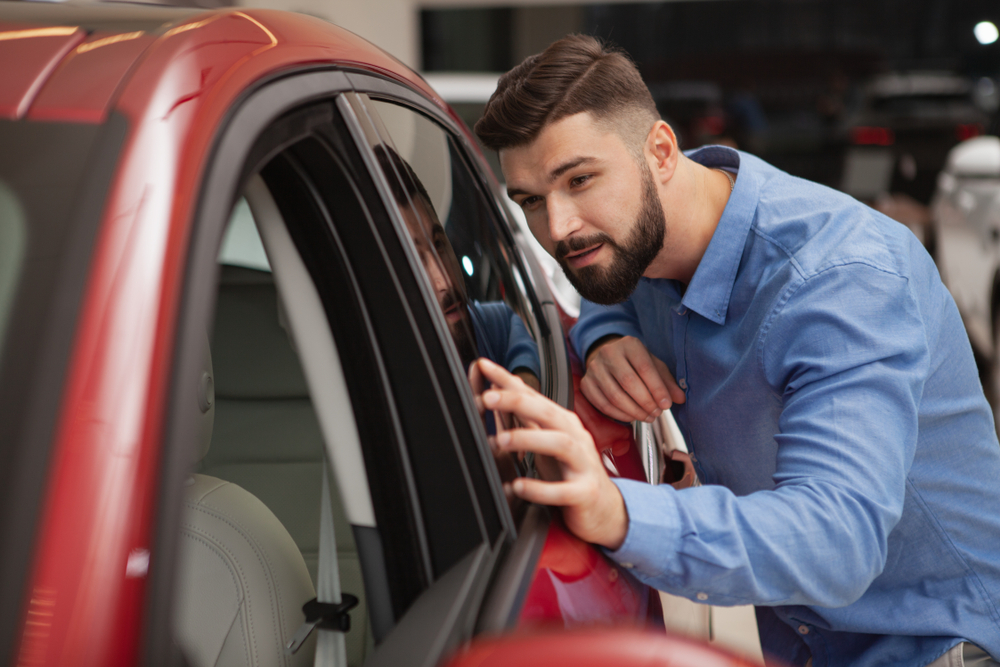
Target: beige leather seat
[
  {"x": 267, "y": 439},
  {"x": 242, "y": 581}
]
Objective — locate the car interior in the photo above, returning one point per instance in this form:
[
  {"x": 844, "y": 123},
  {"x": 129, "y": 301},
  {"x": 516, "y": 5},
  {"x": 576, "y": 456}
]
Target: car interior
[{"x": 251, "y": 524}]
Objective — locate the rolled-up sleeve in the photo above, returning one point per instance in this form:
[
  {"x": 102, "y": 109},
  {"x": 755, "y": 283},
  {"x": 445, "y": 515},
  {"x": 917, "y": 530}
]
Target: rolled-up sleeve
[{"x": 845, "y": 352}]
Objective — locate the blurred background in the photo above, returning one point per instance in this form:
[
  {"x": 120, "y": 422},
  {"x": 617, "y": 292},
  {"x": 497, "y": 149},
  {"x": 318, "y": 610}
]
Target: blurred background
[{"x": 863, "y": 95}]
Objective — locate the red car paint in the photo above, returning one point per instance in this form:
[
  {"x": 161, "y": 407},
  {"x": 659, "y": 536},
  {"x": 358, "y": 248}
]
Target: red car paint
[
  {"x": 37, "y": 51},
  {"x": 575, "y": 585},
  {"x": 593, "y": 647},
  {"x": 101, "y": 502}
]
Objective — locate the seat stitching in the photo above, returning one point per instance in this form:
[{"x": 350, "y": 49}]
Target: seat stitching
[{"x": 265, "y": 563}]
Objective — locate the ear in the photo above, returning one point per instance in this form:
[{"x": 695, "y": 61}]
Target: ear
[{"x": 662, "y": 151}]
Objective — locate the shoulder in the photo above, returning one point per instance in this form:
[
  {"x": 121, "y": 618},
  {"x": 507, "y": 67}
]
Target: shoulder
[{"x": 818, "y": 228}]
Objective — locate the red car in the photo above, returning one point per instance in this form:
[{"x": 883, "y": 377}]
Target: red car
[{"x": 255, "y": 231}]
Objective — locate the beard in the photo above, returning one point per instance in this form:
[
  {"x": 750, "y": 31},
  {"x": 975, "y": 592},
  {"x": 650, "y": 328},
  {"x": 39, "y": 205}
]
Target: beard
[
  {"x": 616, "y": 282},
  {"x": 461, "y": 332}
]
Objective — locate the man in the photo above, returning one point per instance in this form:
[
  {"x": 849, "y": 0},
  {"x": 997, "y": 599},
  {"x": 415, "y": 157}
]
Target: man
[{"x": 825, "y": 384}]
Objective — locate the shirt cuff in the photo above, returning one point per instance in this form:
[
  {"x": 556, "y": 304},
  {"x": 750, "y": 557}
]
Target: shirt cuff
[{"x": 653, "y": 528}]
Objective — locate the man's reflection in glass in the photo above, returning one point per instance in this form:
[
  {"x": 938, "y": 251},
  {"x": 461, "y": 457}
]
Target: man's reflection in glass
[{"x": 492, "y": 329}]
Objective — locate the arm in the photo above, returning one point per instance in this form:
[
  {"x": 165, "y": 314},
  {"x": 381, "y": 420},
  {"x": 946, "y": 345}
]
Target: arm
[
  {"x": 522, "y": 352},
  {"x": 847, "y": 356}
]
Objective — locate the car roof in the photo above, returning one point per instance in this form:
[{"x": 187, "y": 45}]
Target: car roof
[{"x": 66, "y": 72}]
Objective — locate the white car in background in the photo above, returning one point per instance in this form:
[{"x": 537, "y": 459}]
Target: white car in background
[{"x": 966, "y": 245}]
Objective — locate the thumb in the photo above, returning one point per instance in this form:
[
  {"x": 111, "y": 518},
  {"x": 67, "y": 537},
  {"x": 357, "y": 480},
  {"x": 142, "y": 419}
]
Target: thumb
[{"x": 676, "y": 393}]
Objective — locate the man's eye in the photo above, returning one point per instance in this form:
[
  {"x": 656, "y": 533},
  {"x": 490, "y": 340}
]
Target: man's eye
[
  {"x": 577, "y": 181},
  {"x": 530, "y": 202}
]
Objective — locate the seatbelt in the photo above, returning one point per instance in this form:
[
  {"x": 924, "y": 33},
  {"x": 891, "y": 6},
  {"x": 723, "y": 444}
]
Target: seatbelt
[{"x": 328, "y": 610}]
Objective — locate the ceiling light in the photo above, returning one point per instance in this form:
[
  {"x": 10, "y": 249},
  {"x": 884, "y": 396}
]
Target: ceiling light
[{"x": 986, "y": 32}]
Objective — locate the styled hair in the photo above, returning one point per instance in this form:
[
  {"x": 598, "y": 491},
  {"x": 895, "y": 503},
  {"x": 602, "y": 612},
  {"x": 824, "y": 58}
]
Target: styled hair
[
  {"x": 575, "y": 74},
  {"x": 408, "y": 185}
]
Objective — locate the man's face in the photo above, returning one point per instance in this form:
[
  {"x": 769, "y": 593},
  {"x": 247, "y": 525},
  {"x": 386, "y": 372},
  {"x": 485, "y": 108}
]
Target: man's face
[
  {"x": 441, "y": 265},
  {"x": 590, "y": 204}
]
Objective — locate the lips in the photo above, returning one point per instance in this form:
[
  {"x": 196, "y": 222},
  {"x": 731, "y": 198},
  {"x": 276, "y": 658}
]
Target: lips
[
  {"x": 581, "y": 258},
  {"x": 452, "y": 308}
]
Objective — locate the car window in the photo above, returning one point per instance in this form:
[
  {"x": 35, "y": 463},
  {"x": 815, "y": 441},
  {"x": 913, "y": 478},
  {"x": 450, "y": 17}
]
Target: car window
[
  {"x": 469, "y": 264},
  {"x": 456, "y": 232},
  {"x": 241, "y": 245}
]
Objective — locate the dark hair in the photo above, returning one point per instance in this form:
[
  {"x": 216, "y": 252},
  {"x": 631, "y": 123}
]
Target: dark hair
[
  {"x": 407, "y": 186},
  {"x": 575, "y": 74}
]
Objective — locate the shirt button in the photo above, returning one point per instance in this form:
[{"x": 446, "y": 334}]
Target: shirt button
[
  {"x": 627, "y": 566},
  {"x": 702, "y": 596},
  {"x": 803, "y": 630},
  {"x": 682, "y": 383}
]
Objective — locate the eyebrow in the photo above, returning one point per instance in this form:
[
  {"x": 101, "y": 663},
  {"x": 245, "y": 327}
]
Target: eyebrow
[
  {"x": 566, "y": 166},
  {"x": 556, "y": 173}
]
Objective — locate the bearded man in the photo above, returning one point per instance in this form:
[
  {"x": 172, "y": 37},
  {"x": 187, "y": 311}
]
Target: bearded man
[{"x": 825, "y": 383}]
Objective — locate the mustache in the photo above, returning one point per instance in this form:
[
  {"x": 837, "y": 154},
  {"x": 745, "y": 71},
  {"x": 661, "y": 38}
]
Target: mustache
[
  {"x": 451, "y": 298},
  {"x": 576, "y": 243}
]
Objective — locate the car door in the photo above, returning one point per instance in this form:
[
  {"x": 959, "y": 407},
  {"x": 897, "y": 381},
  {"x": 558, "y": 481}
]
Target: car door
[{"x": 437, "y": 520}]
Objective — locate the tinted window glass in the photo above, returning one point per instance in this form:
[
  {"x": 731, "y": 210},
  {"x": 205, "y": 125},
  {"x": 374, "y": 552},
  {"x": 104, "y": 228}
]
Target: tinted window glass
[{"x": 471, "y": 268}]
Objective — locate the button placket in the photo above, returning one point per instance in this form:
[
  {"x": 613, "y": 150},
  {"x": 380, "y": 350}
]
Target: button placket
[{"x": 680, "y": 323}]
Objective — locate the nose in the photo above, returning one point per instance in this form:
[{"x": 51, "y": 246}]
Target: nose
[
  {"x": 439, "y": 280},
  {"x": 563, "y": 218}
]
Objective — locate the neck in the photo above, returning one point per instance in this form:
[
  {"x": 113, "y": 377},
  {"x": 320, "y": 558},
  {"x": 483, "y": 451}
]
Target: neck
[{"x": 693, "y": 201}]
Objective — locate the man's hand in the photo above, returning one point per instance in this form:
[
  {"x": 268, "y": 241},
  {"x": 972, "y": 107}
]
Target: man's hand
[
  {"x": 593, "y": 507},
  {"x": 627, "y": 383}
]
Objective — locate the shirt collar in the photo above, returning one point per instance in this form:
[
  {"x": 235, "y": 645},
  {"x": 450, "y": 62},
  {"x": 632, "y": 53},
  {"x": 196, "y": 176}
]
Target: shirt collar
[{"x": 711, "y": 286}]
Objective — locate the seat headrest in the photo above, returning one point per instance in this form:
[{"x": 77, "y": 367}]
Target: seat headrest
[{"x": 251, "y": 348}]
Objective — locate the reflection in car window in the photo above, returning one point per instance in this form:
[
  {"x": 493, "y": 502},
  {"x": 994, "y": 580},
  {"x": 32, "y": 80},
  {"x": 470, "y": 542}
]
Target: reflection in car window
[
  {"x": 471, "y": 272},
  {"x": 470, "y": 269}
]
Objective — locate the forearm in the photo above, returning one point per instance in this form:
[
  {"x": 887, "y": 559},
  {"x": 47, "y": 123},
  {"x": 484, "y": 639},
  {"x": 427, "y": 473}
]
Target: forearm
[{"x": 811, "y": 545}]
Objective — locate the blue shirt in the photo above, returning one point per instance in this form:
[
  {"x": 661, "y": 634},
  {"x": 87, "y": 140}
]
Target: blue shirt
[
  {"x": 502, "y": 337},
  {"x": 834, "y": 411}
]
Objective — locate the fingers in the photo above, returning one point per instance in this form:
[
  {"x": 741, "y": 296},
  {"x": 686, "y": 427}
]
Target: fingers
[
  {"x": 594, "y": 389},
  {"x": 534, "y": 409},
  {"x": 614, "y": 381},
  {"x": 565, "y": 447},
  {"x": 497, "y": 374},
  {"x": 624, "y": 381},
  {"x": 553, "y": 494}
]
